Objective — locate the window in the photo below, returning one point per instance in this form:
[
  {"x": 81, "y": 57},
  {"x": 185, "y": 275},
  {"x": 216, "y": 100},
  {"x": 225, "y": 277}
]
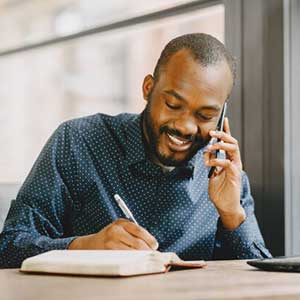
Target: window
[{"x": 97, "y": 73}]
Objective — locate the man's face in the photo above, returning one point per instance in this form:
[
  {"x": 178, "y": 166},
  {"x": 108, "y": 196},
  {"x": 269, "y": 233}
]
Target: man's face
[{"x": 183, "y": 106}]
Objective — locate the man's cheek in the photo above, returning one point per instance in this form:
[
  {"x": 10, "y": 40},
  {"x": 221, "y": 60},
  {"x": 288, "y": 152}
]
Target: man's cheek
[{"x": 205, "y": 132}]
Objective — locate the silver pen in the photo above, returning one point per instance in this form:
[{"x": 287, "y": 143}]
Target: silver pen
[{"x": 125, "y": 209}]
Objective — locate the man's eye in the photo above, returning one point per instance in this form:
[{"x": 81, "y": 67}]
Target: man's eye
[
  {"x": 172, "y": 106},
  {"x": 205, "y": 118}
]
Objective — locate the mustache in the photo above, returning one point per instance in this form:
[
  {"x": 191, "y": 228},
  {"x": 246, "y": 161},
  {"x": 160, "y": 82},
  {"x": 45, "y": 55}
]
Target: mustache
[{"x": 191, "y": 138}]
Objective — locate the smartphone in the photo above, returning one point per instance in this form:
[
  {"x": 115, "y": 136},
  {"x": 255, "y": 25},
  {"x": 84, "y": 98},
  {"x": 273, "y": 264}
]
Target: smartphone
[{"x": 218, "y": 153}]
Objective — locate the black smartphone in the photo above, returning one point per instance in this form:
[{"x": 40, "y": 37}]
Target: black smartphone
[{"x": 215, "y": 140}]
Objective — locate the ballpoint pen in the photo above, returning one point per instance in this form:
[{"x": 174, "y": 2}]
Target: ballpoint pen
[{"x": 125, "y": 209}]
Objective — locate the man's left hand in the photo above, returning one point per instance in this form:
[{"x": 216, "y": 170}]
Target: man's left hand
[{"x": 225, "y": 184}]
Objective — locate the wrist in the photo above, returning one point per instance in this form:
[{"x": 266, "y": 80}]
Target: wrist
[
  {"x": 80, "y": 243},
  {"x": 75, "y": 244},
  {"x": 233, "y": 220}
]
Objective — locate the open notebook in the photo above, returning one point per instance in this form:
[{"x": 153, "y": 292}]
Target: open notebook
[{"x": 105, "y": 262}]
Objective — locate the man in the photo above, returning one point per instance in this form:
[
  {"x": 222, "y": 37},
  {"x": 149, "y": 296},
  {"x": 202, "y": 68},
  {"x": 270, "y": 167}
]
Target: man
[{"x": 157, "y": 162}]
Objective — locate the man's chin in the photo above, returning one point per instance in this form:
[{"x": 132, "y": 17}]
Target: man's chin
[
  {"x": 176, "y": 159},
  {"x": 169, "y": 161}
]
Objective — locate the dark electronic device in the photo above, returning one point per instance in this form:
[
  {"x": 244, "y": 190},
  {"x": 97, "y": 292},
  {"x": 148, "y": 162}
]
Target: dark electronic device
[
  {"x": 284, "y": 264},
  {"x": 214, "y": 140}
]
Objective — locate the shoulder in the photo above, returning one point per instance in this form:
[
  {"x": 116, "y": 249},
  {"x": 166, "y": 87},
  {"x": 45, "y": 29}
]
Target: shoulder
[{"x": 98, "y": 124}]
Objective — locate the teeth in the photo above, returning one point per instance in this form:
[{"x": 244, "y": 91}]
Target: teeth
[{"x": 177, "y": 141}]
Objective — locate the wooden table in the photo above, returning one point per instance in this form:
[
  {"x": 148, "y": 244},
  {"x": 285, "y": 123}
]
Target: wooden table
[{"x": 220, "y": 280}]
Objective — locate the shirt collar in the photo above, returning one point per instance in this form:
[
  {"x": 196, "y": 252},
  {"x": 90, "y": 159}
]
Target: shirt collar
[{"x": 136, "y": 152}]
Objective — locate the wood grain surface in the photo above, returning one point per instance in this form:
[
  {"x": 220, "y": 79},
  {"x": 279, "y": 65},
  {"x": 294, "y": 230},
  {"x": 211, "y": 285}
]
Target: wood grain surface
[{"x": 220, "y": 280}]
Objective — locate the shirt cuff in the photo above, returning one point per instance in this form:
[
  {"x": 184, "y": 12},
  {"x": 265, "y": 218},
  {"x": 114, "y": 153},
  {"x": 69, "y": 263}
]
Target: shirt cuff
[{"x": 241, "y": 242}]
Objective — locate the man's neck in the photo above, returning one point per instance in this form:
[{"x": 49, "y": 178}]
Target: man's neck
[{"x": 164, "y": 168}]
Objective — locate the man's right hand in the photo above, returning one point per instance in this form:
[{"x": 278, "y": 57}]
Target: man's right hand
[{"x": 119, "y": 235}]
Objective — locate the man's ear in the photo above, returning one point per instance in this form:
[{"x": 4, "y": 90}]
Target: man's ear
[{"x": 148, "y": 86}]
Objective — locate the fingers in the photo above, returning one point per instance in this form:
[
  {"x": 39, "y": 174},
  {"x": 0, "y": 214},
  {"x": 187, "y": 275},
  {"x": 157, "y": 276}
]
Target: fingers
[
  {"x": 119, "y": 235},
  {"x": 224, "y": 136},
  {"x": 130, "y": 234},
  {"x": 206, "y": 156},
  {"x": 128, "y": 240},
  {"x": 223, "y": 146},
  {"x": 226, "y": 126},
  {"x": 226, "y": 143},
  {"x": 223, "y": 163},
  {"x": 140, "y": 233},
  {"x": 117, "y": 245}
]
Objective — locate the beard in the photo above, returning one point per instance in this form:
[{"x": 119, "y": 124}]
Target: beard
[{"x": 154, "y": 141}]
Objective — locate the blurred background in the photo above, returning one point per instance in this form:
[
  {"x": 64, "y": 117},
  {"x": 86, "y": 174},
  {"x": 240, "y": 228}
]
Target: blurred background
[{"x": 70, "y": 58}]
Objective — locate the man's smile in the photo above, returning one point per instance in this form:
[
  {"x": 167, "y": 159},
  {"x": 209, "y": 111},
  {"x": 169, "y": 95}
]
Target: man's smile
[{"x": 177, "y": 144}]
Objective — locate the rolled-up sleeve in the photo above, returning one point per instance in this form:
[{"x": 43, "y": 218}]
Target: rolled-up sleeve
[
  {"x": 36, "y": 219},
  {"x": 246, "y": 241}
]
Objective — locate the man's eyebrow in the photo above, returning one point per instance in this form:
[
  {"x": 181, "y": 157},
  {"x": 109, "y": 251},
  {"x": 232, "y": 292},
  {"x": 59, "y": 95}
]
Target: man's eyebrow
[
  {"x": 175, "y": 94},
  {"x": 179, "y": 97},
  {"x": 210, "y": 107}
]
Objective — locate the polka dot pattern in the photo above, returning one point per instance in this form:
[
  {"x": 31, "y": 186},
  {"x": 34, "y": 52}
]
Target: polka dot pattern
[{"x": 69, "y": 193}]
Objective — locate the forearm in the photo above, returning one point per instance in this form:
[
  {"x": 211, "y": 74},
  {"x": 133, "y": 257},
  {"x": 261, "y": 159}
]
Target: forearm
[
  {"x": 244, "y": 242},
  {"x": 17, "y": 246}
]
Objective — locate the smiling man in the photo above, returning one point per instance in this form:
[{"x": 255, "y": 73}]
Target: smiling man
[{"x": 157, "y": 161}]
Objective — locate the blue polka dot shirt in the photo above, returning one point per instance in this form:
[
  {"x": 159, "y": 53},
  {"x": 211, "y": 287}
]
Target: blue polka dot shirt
[{"x": 69, "y": 193}]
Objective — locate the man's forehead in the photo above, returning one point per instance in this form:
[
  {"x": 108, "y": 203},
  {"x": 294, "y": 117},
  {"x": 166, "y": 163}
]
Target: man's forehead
[
  {"x": 183, "y": 72},
  {"x": 186, "y": 64},
  {"x": 182, "y": 58}
]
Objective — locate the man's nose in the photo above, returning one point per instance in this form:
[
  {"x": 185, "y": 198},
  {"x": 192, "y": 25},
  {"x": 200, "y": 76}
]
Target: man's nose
[{"x": 186, "y": 126}]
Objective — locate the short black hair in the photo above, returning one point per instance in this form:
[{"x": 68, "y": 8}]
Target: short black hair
[{"x": 204, "y": 47}]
